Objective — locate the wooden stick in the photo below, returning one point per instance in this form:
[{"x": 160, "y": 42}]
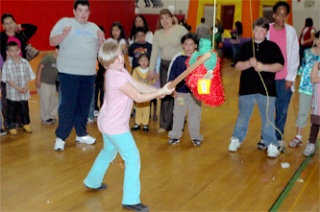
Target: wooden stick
[{"x": 184, "y": 74}]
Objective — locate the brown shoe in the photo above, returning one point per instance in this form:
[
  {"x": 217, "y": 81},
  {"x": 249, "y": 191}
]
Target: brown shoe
[
  {"x": 161, "y": 130},
  {"x": 27, "y": 128},
  {"x": 13, "y": 132}
]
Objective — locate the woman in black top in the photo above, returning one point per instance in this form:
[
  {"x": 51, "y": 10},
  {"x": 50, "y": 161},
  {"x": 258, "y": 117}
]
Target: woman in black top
[{"x": 19, "y": 33}]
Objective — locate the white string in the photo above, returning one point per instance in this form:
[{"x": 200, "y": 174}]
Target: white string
[
  {"x": 263, "y": 83},
  {"x": 214, "y": 22}
]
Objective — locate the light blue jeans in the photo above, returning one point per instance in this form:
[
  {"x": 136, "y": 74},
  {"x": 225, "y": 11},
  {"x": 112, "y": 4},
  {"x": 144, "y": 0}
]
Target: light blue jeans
[
  {"x": 126, "y": 146},
  {"x": 245, "y": 106}
]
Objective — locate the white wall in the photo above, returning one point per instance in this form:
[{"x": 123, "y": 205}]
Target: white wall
[{"x": 301, "y": 11}]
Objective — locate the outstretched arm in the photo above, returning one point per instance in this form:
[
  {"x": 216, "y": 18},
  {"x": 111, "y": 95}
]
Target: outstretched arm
[{"x": 133, "y": 92}]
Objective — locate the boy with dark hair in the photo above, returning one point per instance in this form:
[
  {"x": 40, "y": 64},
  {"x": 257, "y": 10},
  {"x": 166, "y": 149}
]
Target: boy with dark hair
[
  {"x": 265, "y": 61},
  {"x": 79, "y": 41},
  {"x": 184, "y": 99},
  {"x": 47, "y": 75},
  {"x": 82, "y": 2},
  {"x": 17, "y": 73},
  {"x": 140, "y": 46},
  {"x": 281, "y": 4},
  {"x": 285, "y": 37}
]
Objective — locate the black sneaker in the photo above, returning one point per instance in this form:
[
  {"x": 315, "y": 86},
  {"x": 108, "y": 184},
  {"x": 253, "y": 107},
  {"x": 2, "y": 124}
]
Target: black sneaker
[
  {"x": 102, "y": 187},
  {"x": 135, "y": 127},
  {"x": 48, "y": 121},
  {"x": 282, "y": 146},
  {"x": 3, "y": 132},
  {"x": 145, "y": 128},
  {"x": 173, "y": 141},
  {"x": 138, "y": 207},
  {"x": 133, "y": 114},
  {"x": 196, "y": 142},
  {"x": 261, "y": 145}
]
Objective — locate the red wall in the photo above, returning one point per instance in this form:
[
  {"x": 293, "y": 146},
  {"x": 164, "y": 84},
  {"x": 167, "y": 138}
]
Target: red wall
[{"x": 45, "y": 13}]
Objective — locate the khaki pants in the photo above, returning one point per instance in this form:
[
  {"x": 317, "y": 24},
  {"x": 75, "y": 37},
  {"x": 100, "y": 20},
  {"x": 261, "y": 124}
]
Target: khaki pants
[
  {"x": 143, "y": 113},
  {"x": 182, "y": 103},
  {"x": 48, "y": 101}
]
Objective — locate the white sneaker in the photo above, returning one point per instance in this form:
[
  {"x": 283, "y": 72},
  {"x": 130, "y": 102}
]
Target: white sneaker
[
  {"x": 90, "y": 121},
  {"x": 87, "y": 139},
  {"x": 234, "y": 144},
  {"x": 95, "y": 113},
  {"x": 309, "y": 150},
  {"x": 273, "y": 151},
  {"x": 59, "y": 144}
]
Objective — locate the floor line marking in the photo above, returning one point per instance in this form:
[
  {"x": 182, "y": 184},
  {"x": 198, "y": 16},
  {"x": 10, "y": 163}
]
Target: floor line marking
[
  {"x": 303, "y": 188},
  {"x": 291, "y": 182}
]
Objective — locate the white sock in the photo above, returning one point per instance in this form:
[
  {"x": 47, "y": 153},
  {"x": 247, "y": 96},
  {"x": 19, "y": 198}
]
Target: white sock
[{"x": 299, "y": 137}]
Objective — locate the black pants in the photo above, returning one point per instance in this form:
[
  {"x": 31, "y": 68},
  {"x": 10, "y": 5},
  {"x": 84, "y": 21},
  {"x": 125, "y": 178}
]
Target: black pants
[
  {"x": 15, "y": 108},
  {"x": 314, "y": 129},
  {"x": 4, "y": 104},
  {"x": 167, "y": 103},
  {"x": 99, "y": 94}
]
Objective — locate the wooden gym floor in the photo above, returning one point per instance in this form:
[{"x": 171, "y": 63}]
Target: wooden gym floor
[{"x": 173, "y": 178}]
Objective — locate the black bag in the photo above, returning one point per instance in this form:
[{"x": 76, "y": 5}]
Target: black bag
[{"x": 31, "y": 52}]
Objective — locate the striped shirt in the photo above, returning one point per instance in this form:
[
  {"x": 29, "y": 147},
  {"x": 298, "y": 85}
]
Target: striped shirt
[{"x": 19, "y": 74}]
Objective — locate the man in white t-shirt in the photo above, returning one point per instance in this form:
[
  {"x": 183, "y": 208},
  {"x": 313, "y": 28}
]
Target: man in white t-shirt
[{"x": 79, "y": 42}]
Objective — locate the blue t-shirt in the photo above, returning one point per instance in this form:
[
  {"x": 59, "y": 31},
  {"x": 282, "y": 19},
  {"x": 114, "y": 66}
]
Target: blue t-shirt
[
  {"x": 179, "y": 66},
  {"x": 136, "y": 49}
]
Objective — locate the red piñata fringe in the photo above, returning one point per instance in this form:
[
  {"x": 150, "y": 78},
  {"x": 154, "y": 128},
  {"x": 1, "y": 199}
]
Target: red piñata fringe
[{"x": 216, "y": 96}]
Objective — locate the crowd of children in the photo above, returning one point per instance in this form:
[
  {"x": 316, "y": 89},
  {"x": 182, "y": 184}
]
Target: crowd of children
[
  {"x": 263, "y": 57},
  {"x": 139, "y": 47}
]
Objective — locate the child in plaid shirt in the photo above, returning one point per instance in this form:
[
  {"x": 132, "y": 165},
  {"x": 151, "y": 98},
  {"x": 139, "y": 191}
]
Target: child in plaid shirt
[{"x": 17, "y": 73}]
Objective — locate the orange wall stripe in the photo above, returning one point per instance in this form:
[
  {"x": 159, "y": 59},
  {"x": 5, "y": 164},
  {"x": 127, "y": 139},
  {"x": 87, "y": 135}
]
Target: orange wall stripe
[
  {"x": 192, "y": 14},
  {"x": 246, "y": 16},
  {"x": 289, "y": 20}
]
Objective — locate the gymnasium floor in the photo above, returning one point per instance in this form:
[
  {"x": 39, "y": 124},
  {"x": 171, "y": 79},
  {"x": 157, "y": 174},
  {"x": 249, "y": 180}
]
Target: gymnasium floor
[{"x": 173, "y": 178}]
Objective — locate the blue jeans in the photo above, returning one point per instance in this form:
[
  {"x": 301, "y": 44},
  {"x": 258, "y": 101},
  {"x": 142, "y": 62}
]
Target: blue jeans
[
  {"x": 282, "y": 104},
  {"x": 245, "y": 106},
  {"x": 91, "y": 108},
  {"x": 76, "y": 95},
  {"x": 235, "y": 50},
  {"x": 127, "y": 148}
]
